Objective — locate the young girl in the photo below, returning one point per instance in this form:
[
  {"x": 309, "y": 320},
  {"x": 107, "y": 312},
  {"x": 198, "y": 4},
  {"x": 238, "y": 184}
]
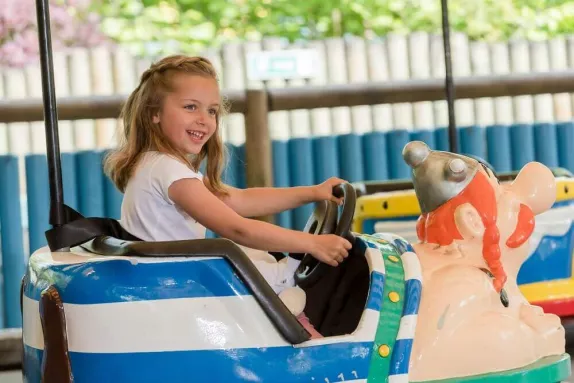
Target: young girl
[{"x": 171, "y": 124}]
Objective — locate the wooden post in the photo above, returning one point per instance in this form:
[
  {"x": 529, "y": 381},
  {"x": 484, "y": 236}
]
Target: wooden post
[{"x": 257, "y": 142}]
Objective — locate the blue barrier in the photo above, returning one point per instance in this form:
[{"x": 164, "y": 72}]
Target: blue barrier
[
  {"x": 473, "y": 141},
  {"x": 375, "y": 156},
  {"x": 545, "y": 145},
  {"x": 38, "y": 214},
  {"x": 565, "y": 138},
  {"x": 230, "y": 173},
  {"x": 241, "y": 166},
  {"x": 13, "y": 259},
  {"x": 90, "y": 184},
  {"x": 427, "y": 136},
  {"x": 69, "y": 180},
  {"x": 281, "y": 177},
  {"x": 442, "y": 141},
  {"x": 396, "y": 140},
  {"x": 112, "y": 196},
  {"x": 498, "y": 148},
  {"x": 522, "y": 144},
  {"x": 296, "y": 162},
  {"x": 325, "y": 158},
  {"x": 37, "y": 180},
  {"x": 301, "y": 173},
  {"x": 351, "y": 157}
]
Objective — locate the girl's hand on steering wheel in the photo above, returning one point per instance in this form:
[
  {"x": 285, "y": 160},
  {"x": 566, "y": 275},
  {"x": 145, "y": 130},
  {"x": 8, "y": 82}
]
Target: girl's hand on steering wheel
[
  {"x": 330, "y": 248},
  {"x": 324, "y": 191}
]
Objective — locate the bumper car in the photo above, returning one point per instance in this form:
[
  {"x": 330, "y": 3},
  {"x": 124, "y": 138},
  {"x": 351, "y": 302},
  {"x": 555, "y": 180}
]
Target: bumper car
[{"x": 116, "y": 309}]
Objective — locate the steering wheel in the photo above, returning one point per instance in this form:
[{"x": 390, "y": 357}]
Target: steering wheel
[{"x": 323, "y": 220}]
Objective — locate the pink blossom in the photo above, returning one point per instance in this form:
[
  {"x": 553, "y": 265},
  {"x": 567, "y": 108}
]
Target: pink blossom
[
  {"x": 72, "y": 25},
  {"x": 17, "y": 15},
  {"x": 14, "y": 54}
]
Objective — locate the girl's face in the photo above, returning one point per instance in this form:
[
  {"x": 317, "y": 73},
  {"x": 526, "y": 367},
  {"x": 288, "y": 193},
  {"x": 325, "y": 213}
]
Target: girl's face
[{"x": 188, "y": 114}]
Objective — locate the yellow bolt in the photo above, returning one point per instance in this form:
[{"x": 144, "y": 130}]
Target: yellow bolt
[
  {"x": 394, "y": 296},
  {"x": 384, "y": 350},
  {"x": 393, "y": 258}
]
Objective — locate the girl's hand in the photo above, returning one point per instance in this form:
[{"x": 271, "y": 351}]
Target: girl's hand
[
  {"x": 330, "y": 249},
  {"x": 324, "y": 191}
]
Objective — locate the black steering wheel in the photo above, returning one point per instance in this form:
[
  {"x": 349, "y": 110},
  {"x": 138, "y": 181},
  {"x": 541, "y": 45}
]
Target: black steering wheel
[{"x": 324, "y": 221}]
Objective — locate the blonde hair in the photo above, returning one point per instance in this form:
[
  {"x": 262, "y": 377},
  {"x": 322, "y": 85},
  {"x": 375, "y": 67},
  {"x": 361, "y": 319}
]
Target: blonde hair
[{"x": 141, "y": 134}]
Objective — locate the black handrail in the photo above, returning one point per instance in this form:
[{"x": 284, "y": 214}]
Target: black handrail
[
  {"x": 269, "y": 301},
  {"x": 57, "y": 215}
]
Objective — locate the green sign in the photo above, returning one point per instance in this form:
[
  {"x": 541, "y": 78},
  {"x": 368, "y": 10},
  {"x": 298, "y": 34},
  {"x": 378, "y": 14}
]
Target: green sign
[{"x": 282, "y": 64}]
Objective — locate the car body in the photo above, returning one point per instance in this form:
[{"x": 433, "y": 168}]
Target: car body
[
  {"x": 138, "y": 319},
  {"x": 113, "y": 310}
]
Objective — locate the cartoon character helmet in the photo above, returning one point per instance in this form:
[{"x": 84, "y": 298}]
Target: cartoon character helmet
[{"x": 437, "y": 176}]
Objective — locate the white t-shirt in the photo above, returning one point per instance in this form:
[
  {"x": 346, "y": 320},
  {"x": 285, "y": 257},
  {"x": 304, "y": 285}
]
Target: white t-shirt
[
  {"x": 149, "y": 214},
  {"x": 147, "y": 211}
]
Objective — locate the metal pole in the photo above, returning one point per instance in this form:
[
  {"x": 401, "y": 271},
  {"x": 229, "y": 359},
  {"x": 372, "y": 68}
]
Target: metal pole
[
  {"x": 452, "y": 134},
  {"x": 57, "y": 216}
]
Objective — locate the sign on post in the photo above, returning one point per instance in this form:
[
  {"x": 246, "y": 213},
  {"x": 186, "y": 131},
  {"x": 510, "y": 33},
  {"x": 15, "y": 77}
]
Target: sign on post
[{"x": 282, "y": 64}]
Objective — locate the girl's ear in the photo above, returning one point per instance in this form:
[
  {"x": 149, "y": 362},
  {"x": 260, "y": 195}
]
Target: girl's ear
[{"x": 155, "y": 118}]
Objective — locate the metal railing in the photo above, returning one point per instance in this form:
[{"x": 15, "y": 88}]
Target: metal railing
[{"x": 255, "y": 104}]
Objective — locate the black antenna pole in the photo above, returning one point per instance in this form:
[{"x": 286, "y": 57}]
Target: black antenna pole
[
  {"x": 452, "y": 136},
  {"x": 57, "y": 215}
]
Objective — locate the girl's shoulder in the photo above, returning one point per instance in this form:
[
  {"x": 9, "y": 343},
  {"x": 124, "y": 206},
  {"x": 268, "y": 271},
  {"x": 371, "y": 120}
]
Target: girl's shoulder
[
  {"x": 162, "y": 163},
  {"x": 156, "y": 172},
  {"x": 165, "y": 168}
]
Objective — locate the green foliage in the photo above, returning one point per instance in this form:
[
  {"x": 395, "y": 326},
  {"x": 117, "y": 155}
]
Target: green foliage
[{"x": 192, "y": 24}]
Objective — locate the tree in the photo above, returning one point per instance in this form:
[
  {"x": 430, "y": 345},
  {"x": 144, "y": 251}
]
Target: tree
[
  {"x": 192, "y": 24},
  {"x": 72, "y": 24},
  {"x": 160, "y": 26}
]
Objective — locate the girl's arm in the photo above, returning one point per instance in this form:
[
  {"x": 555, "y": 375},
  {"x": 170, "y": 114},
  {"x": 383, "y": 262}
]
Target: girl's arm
[
  {"x": 258, "y": 202},
  {"x": 193, "y": 197}
]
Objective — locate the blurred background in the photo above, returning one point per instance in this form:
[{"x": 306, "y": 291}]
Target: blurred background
[{"x": 102, "y": 46}]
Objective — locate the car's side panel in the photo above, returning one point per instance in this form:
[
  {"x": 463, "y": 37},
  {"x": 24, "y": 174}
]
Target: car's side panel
[
  {"x": 139, "y": 320},
  {"x": 551, "y": 245}
]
